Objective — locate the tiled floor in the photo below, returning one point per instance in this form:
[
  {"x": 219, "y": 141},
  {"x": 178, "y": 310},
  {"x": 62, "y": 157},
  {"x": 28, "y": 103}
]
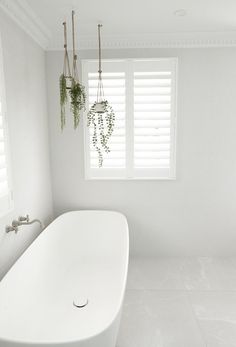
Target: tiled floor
[{"x": 173, "y": 302}]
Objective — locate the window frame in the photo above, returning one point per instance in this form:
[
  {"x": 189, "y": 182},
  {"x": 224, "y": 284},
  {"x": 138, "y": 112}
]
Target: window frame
[
  {"x": 137, "y": 173},
  {"x": 5, "y": 200}
]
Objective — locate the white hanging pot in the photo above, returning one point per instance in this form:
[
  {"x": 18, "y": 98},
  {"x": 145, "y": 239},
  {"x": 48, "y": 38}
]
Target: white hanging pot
[{"x": 100, "y": 107}]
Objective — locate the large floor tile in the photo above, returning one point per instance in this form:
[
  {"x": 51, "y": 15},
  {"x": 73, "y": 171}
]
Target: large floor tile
[
  {"x": 209, "y": 273},
  {"x": 158, "y": 319},
  {"x": 155, "y": 273},
  {"x": 216, "y": 314}
]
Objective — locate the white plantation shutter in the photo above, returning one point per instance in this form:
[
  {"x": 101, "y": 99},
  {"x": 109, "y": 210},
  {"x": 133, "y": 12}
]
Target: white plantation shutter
[
  {"x": 154, "y": 118},
  {"x": 143, "y": 96},
  {"x": 5, "y": 188}
]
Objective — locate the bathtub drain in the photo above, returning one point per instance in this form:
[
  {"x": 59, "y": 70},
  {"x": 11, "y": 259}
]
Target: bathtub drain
[{"x": 80, "y": 303}]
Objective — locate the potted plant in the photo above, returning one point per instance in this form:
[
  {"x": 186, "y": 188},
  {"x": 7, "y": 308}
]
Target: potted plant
[
  {"x": 101, "y": 116},
  {"x": 71, "y": 90},
  {"x": 103, "y": 126},
  {"x": 77, "y": 100}
]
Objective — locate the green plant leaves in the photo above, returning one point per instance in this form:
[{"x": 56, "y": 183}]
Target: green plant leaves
[
  {"x": 63, "y": 100},
  {"x": 103, "y": 126},
  {"x": 77, "y": 99}
]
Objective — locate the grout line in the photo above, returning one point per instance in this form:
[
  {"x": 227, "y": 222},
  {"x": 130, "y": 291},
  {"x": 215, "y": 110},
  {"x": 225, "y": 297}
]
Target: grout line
[{"x": 185, "y": 290}]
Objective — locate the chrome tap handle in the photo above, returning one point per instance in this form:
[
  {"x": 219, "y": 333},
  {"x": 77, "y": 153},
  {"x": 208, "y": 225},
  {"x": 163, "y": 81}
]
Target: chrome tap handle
[
  {"x": 24, "y": 219},
  {"x": 15, "y": 223}
]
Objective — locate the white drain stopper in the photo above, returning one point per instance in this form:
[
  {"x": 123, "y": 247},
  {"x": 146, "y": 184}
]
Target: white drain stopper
[{"x": 80, "y": 302}]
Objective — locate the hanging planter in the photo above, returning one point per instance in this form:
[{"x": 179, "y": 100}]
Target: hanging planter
[
  {"x": 63, "y": 100},
  {"x": 64, "y": 78},
  {"x": 101, "y": 116},
  {"x": 77, "y": 100},
  {"x": 100, "y": 107},
  {"x": 70, "y": 87}
]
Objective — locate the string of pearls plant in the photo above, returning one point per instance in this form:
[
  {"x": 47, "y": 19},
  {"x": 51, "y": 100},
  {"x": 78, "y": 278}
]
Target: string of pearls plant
[{"x": 101, "y": 117}]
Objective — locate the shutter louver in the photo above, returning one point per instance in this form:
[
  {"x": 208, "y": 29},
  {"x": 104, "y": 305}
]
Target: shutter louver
[
  {"x": 6, "y": 201},
  {"x": 152, "y": 108},
  {"x": 3, "y": 163}
]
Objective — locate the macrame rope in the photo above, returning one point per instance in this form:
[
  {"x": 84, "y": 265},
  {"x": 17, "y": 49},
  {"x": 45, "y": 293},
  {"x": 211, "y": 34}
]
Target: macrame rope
[
  {"x": 74, "y": 72},
  {"x": 100, "y": 91},
  {"x": 66, "y": 67}
]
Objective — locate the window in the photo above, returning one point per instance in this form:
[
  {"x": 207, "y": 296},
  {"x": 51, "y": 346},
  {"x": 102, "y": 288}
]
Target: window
[
  {"x": 5, "y": 187},
  {"x": 143, "y": 96}
]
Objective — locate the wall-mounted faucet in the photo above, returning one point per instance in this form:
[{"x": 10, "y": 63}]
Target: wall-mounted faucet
[
  {"x": 22, "y": 221},
  {"x": 26, "y": 221},
  {"x": 10, "y": 228}
]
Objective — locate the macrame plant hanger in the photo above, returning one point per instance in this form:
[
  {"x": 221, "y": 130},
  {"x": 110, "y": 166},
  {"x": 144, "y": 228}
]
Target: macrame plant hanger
[
  {"x": 66, "y": 75},
  {"x": 101, "y": 117},
  {"x": 66, "y": 67},
  {"x": 77, "y": 92},
  {"x": 75, "y": 75},
  {"x": 70, "y": 88},
  {"x": 100, "y": 90}
]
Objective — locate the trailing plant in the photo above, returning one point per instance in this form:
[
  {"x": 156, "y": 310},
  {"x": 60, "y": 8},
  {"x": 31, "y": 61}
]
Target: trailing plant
[
  {"x": 63, "y": 100},
  {"x": 78, "y": 99},
  {"x": 101, "y": 116},
  {"x": 103, "y": 126},
  {"x": 71, "y": 90}
]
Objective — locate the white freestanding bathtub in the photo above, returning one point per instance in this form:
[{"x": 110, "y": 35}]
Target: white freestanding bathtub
[{"x": 67, "y": 289}]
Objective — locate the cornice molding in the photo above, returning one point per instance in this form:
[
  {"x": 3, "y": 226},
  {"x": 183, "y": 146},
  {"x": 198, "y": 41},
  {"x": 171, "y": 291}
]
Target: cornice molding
[
  {"x": 25, "y": 17},
  {"x": 21, "y": 13},
  {"x": 175, "y": 40}
]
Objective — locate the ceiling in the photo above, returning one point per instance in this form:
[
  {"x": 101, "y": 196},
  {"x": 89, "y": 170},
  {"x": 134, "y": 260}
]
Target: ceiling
[{"x": 132, "y": 22}]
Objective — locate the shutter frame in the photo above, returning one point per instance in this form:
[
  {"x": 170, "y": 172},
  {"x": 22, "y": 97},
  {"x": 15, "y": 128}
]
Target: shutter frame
[
  {"x": 157, "y": 109},
  {"x": 6, "y": 195}
]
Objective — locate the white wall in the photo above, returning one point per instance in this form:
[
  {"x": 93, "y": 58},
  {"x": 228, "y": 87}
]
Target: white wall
[
  {"x": 194, "y": 215},
  {"x": 24, "y": 65}
]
